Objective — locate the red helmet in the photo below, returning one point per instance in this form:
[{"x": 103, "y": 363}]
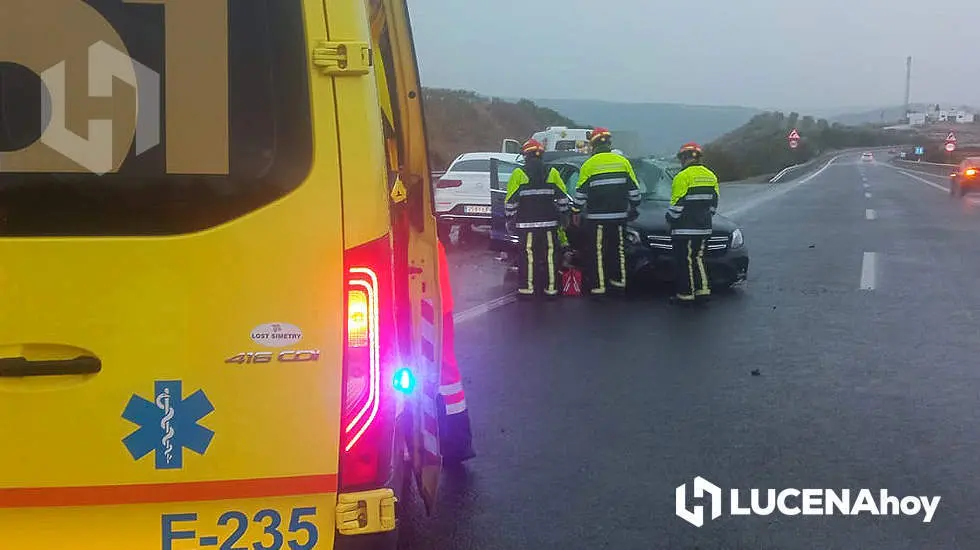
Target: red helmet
[
  {"x": 690, "y": 148},
  {"x": 600, "y": 134},
  {"x": 532, "y": 147}
]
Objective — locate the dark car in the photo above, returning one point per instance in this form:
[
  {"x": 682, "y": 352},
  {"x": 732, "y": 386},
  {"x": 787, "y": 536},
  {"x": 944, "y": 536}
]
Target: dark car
[
  {"x": 648, "y": 245},
  {"x": 966, "y": 179}
]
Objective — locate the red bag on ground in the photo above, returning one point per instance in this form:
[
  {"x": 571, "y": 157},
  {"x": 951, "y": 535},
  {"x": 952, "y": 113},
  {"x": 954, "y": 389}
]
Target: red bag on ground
[{"x": 571, "y": 282}]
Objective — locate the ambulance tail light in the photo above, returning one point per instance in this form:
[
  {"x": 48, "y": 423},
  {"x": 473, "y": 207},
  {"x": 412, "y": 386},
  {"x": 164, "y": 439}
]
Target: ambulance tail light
[{"x": 367, "y": 414}]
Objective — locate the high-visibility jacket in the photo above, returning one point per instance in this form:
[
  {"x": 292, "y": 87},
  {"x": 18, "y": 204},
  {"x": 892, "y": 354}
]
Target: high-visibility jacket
[
  {"x": 693, "y": 201},
  {"x": 608, "y": 186},
  {"x": 536, "y": 202}
]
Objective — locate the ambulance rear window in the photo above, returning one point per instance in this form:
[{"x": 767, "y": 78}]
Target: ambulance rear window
[{"x": 196, "y": 158}]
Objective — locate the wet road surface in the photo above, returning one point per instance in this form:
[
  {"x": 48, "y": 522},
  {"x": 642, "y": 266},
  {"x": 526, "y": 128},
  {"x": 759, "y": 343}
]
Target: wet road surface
[{"x": 860, "y": 319}]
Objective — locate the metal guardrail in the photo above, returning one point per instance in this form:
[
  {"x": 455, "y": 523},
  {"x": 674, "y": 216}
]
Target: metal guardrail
[
  {"x": 783, "y": 172},
  {"x": 800, "y": 169}
]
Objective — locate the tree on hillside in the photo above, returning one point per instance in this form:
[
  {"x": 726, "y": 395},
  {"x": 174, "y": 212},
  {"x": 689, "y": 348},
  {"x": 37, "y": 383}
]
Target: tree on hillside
[{"x": 460, "y": 121}]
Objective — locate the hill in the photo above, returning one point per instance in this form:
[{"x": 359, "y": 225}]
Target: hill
[
  {"x": 760, "y": 146},
  {"x": 460, "y": 121},
  {"x": 660, "y": 127}
]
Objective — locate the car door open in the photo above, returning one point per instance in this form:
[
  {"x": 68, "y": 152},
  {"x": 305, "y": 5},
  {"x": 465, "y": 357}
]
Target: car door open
[{"x": 500, "y": 172}]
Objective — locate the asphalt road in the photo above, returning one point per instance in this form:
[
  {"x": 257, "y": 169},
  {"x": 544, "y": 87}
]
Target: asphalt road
[{"x": 860, "y": 320}]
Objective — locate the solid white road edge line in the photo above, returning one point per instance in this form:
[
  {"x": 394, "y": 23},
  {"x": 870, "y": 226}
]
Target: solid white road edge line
[
  {"x": 868, "y": 270},
  {"x": 482, "y": 309},
  {"x": 766, "y": 197},
  {"x": 497, "y": 303},
  {"x": 870, "y": 214},
  {"x": 923, "y": 180}
]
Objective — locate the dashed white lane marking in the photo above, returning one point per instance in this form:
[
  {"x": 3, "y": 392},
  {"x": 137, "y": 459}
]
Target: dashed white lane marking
[
  {"x": 482, "y": 309},
  {"x": 867, "y": 195},
  {"x": 869, "y": 271},
  {"x": 867, "y": 186},
  {"x": 870, "y": 214}
]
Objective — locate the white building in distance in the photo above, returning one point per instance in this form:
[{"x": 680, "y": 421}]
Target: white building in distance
[{"x": 958, "y": 115}]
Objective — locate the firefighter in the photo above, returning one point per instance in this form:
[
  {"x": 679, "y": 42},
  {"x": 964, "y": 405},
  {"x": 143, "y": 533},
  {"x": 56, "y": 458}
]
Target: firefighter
[
  {"x": 536, "y": 204},
  {"x": 608, "y": 186},
  {"x": 693, "y": 202},
  {"x": 455, "y": 436}
]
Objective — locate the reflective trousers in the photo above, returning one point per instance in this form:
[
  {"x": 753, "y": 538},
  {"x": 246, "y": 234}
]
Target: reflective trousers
[
  {"x": 691, "y": 273},
  {"x": 538, "y": 262},
  {"x": 607, "y": 258}
]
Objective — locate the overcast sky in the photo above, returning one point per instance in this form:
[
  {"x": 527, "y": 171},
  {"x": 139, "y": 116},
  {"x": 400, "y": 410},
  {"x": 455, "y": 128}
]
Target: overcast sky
[{"x": 786, "y": 54}]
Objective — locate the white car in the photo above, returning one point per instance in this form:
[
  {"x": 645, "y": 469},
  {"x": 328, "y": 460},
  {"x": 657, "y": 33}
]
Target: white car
[
  {"x": 867, "y": 157},
  {"x": 462, "y": 194}
]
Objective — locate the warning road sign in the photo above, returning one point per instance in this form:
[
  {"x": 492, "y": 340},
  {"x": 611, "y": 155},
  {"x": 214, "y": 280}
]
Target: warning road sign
[
  {"x": 951, "y": 138},
  {"x": 794, "y": 135}
]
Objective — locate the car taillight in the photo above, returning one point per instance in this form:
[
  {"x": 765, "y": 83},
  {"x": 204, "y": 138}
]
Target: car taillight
[
  {"x": 971, "y": 172},
  {"x": 367, "y": 414},
  {"x": 443, "y": 184}
]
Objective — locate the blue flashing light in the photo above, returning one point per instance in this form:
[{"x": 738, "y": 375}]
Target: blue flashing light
[{"x": 404, "y": 380}]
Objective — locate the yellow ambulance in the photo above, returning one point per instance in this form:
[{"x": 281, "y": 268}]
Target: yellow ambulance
[{"x": 218, "y": 276}]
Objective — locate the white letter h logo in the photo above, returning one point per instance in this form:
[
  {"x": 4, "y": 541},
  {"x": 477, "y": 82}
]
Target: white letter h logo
[
  {"x": 702, "y": 487},
  {"x": 105, "y": 64}
]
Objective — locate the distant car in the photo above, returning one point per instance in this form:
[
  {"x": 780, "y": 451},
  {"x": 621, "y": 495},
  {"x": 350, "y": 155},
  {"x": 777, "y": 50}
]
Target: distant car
[
  {"x": 648, "y": 246},
  {"x": 462, "y": 194},
  {"x": 867, "y": 157},
  {"x": 966, "y": 179}
]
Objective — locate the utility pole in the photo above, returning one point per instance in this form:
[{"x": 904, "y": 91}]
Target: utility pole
[{"x": 908, "y": 85}]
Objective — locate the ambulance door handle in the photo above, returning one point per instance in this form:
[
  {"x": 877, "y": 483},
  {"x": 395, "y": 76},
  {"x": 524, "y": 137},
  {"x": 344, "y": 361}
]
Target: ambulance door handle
[{"x": 21, "y": 366}]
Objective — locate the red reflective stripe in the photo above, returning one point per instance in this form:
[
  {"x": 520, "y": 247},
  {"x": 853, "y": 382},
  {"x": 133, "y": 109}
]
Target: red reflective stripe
[
  {"x": 454, "y": 398},
  {"x": 444, "y": 287},
  {"x": 146, "y": 493},
  {"x": 431, "y": 424},
  {"x": 449, "y": 371}
]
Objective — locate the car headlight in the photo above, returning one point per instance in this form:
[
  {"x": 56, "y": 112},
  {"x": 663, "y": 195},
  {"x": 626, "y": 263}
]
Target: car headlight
[
  {"x": 737, "y": 239},
  {"x": 632, "y": 236}
]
